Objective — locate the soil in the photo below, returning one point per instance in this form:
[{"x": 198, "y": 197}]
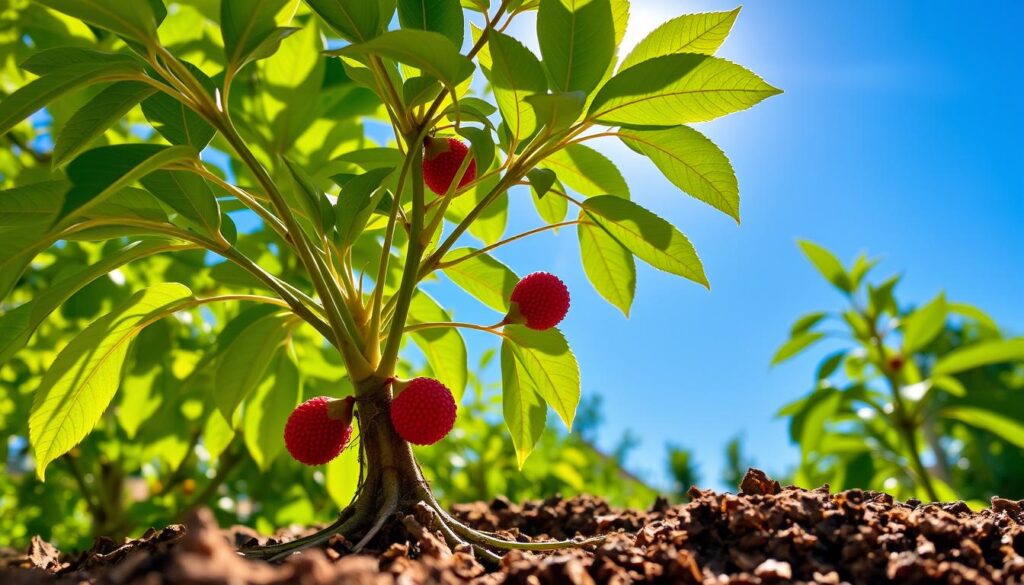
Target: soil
[{"x": 766, "y": 534}]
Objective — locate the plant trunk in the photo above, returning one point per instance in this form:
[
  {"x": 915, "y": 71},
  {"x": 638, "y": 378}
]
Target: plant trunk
[{"x": 391, "y": 476}]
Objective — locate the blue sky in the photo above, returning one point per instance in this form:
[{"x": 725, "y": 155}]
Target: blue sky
[{"x": 899, "y": 134}]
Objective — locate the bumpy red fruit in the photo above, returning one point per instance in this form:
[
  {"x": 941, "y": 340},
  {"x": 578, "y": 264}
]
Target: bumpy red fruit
[
  {"x": 318, "y": 429},
  {"x": 540, "y": 301},
  {"x": 442, "y": 158},
  {"x": 423, "y": 412}
]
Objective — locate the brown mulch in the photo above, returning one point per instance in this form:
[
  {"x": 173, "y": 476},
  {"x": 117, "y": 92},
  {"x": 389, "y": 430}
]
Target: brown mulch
[{"x": 766, "y": 534}]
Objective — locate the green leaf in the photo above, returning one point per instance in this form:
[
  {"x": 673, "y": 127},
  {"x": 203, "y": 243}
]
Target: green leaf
[
  {"x": 490, "y": 225},
  {"x": 188, "y": 194},
  {"x": 646, "y": 235},
  {"x": 827, "y": 264},
  {"x": 99, "y": 172},
  {"x": 677, "y": 89},
  {"x": 483, "y": 277},
  {"x": 440, "y": 16},
  {"x": 175, "y": 121},
  {"x": 431, "y": 52},
  {"x": 26, "y": 214},
  {"x": 557, "y": 111},
  {"x": 480, "y": 144},
  {"x": 553, "y": 208},
  {"x": 690, "y": 33},
  {"x": 49, "y": 61},
  {"x": 983, "y": 319},
  {"x": 245, "y": 360},
  {"x": 805, "y": 323},
  {"x": 35, "y": 95},
  {"x": 82, "y": 381},
  {"x": 141, "y": 397},
  {"x": 795, "y": 345},
  {"x": 217, "y": 434},
  {"x": 544, "y": 361},
  {"x": 18, "y": 325},
  {"x": 292, "y": 82},
  {"x": 541, "y": 181},
  {"x": 921, "y": 326},
  {"x": 134, "y": 19},
  {"x": 609, "y": 266},
  {"x": 249, "y": 30},
  {"x": 96, "y": 116},
  {"x": 1004, "y": 427},
  {"x": 692, "y": 162},
  {"x": 515, "y": 74},
  {"x": 577, "y": 42},
  {"x": 587, "y": 171},
  {"x": 267, "y": 410},
  {"x": 355, "y": 20},
  {"x": 525, "y": 411},
  {"x": 318, "y": 208},
  {"x": 420, "y": 90},
  {"x": 980, "y": 354},
  {"x": 358, "y": 198},
  {"x": 443, "y": 347}
]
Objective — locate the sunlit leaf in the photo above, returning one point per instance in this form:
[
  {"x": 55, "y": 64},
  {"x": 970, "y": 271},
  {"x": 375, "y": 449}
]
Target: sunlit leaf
[
  {"x": 515, "y": 74},
  {"x": 980, "y": 354},
  {"x": 1005, "y": 427},
  {"x": 545, "y": 360},
  {"x": 677, "y": 89},
  {"x": 524, "y": 410},
  {"x": 691, "y": 33},
  {"x": 267, "y": 409},
  {"x": 83, "y": 379},
  {"x": 483, "y": 277},
  {"x": 577, "y": 42},
  {"x": 609, "y": 266},
  {"x": 827, "y": 264},
  {"x": 646, "y": 235},
  {"x": 135, "y": 19},
  {"x": 587, "y": 171},
  {"x": 443, "y": 347},
  {"x": 245, "y": 360},
  {"x": 440, "y": 16},
  {"x": 692, "y": 162},
  {"x": 18, "y": 325},
  {"x": 921, "y": 326},
  {"x": 795, "y": 345}
]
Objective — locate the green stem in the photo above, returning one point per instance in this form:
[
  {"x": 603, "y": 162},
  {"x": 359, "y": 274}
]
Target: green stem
[
  {"x": 453, "y": 324},
  {"x": 329, "y": 293},
  {"x": 414, "y": 255},
  {"x": 905, "y": 425},
  {"x": 509, "y": 240}
]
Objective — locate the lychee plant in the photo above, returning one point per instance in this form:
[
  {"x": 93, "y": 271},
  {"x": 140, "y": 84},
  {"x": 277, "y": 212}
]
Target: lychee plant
[{"x": 320, "y": 241}]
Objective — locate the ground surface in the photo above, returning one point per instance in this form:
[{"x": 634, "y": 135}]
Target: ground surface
[{"x": 764, "y": 535}]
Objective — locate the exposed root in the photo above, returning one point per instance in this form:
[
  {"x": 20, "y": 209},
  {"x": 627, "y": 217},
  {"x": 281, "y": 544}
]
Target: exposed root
[
  {"x": 477, "y": 537},
  {"x": 453, "y": 540},
  {"x": 347, "y": 521},
  {"x": 390, "y": 507}
]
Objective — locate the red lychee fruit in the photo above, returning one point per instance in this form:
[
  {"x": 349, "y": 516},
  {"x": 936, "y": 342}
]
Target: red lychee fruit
[
  {"x": 540, "y": 301},
  {"x": 442, "y": 158},
  {"x": 424, "y": 411},
  {"x": 318, "y": 429}
]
